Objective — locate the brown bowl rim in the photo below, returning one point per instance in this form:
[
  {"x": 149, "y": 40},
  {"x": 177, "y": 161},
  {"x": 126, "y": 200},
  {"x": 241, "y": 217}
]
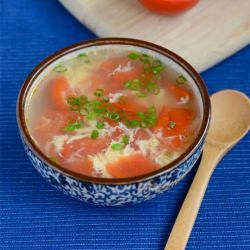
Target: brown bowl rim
[{"x": 116, "y": 41}]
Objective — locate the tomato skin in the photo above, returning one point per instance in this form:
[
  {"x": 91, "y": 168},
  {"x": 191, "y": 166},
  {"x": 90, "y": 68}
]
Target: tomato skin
[
  {"x": 130, "y": 166},
  {"x": 168, "y": 6},
  {"x": 182, "y": 117}
]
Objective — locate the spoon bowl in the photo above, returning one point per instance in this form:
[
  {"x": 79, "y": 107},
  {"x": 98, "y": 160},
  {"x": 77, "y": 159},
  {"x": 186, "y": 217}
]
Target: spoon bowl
[{"x": 230, "y": 112}]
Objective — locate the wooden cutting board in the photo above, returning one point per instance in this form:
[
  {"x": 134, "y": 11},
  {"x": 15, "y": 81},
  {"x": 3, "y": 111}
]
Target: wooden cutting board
[{"x": 204, "y": 35}]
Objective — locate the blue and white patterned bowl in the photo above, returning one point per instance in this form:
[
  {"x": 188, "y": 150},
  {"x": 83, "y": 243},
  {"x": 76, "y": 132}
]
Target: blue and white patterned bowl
[{"x": 114, "y": 192}]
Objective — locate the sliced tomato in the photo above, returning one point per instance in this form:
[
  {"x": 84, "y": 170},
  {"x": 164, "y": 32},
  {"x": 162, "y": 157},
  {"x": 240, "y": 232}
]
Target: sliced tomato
[
  {"x": 60, "y": 90},
  {"x": 168, "y": 6},
  {"x": 50, "y": 123},
  {"x": 83, "y": 167},
  {"x": 119, "y": 70},
  {"x": 181, "y": 117},
  {"x": 129, "y": 104},
  {"x": 84, "y": 147},
  {"x": 130, "y": 166},
  {"x": 178, "y": 92}
]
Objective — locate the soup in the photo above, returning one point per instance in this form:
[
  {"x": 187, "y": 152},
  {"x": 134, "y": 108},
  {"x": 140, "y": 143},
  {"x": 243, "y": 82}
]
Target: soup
[{"x": 113, "y": 113}]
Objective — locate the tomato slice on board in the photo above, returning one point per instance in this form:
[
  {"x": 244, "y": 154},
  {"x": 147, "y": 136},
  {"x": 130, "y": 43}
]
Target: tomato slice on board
[
  {"x": 60, "y": 90},
  {"x": 181, "y": 117},
  {"x": 130, "y": 166},
  {"x": 168, "y": 6}
]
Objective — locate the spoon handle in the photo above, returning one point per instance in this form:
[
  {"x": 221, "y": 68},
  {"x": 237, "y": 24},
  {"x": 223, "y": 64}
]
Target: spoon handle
[{"x": 185, "y": 220}]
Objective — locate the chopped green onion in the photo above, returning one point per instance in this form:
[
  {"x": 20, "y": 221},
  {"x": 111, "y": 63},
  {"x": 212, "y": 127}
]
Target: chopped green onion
[
  {"x": 114, "y": 116},
  {"x": 141, "y": 95},
  {"x": 100, "y": 110},
  {"x": 156, "y": 63},
  {"x": 132, "y": 123},
  {"x": 77, "y": 100},
  {"x": 181, "y": 79},
  {"x": 153, "y": 87},
  {"x": 147, "y": 66},
  {"x": 53, "y": 158},
  {"x": 100, "y": 125},
  {"x": 144, "y": 57},
  {"x": 134, "y": 84},
  {"x": 91, "y": 116},
  {"x": 105, "y": 99},
  {"x": 133, "y": 56},
  {"x": 150, "y": 118},
  {"x": 126, "y": 84},
  {"x": 60, "y": 68},
  {"x": 83, "y": 57},
  {"x": 117, "y": 146},
  {"x": 125, "y": 139},
  {"x": 99, "y": 92},
  {"x": 94, "y": 134},
  {"x": 141, "y": 114},
  {"x": 72, "y": 126},
  {"x": 171, "y": 124}
]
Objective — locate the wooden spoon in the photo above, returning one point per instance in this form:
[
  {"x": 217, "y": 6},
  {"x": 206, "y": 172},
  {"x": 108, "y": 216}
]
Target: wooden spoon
[{"x": 230, "y": 122}]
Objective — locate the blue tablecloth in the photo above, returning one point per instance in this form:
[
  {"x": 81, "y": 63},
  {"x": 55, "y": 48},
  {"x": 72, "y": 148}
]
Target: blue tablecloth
[{"x": 33, "y": 215}]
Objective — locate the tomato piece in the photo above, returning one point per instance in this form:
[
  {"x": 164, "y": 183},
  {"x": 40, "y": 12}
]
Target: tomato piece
[
  {"x": 168, "y": 6},
  {"x": 181, "y": 118},
  {"x": 130, "y": 166},
  {"x": 119, "y": 70},
  {"x": 50, "y": 123},
  {"x": 128, "y": 104},
  {"x": 127, "y": 110},
  {"x": 84, "y": 147},
  {"x": 60, "y": 90},
  {"x": 82, "y": 167},
  {"x": 178, "y": 92}
]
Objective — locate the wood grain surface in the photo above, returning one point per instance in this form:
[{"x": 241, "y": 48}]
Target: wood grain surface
[{"x": 204, "y": 35}]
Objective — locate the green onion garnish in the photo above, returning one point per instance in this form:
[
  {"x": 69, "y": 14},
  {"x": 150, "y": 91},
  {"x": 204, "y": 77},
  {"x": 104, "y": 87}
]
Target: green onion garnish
[
  {"x": 133, "y": 56},
  {"x": 117, "y": 146},
  {"x": 132, "y": 123},
  {"x": 141, "y": 95},
  {"x": 100, "y": 125},
  {"x": 53, "y": 158},
  {"x": 94, "y": 134},
  {"x": 105, "y": 99},
  {"x": 134, "y": 84},
  {"x": 146, "y": 83},
  {"x": 181, "y": 79},
  {"x": 83, "y": 57},
  {"x": 144, "y": 57},
  {"x": 72, "y": 126},
  {"x": 141, "y": 114},
  {"x": 171, "y": 124},
  {"x": 125, "y": 139},
  {"x": 114, "y": 116},
  {"x": 99, "y": 92},
  {"x": 60, "y": 68}
]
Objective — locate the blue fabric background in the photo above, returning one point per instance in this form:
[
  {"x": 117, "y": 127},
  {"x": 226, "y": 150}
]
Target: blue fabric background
[{"x": 34, "y": 215}]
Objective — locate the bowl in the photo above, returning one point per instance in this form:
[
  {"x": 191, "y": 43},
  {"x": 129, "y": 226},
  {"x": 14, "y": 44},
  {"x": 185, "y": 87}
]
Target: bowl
[{"x": 114, "y": 192}]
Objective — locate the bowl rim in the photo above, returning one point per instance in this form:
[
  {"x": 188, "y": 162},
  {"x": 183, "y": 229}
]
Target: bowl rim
[{"x": 113, "y": 41}]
